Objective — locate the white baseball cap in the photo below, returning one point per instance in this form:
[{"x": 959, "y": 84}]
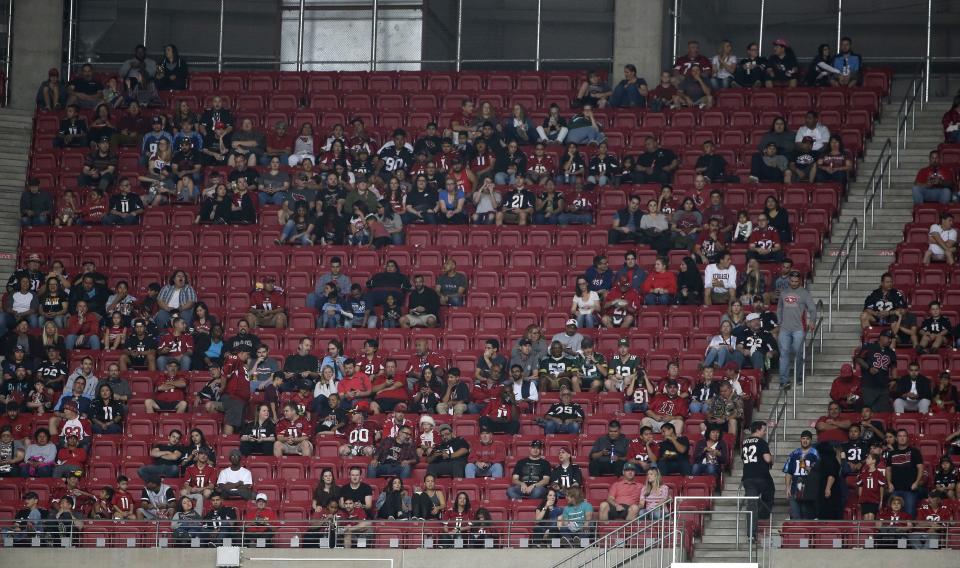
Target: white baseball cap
[{"x": 261, "y": 496}]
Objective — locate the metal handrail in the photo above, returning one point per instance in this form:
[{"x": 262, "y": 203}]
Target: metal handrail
[
  {"x": 840, "y": 266},
  {"x": 676, "y": 528},
  {"x": 875, "y": 187},
  {"x": 619, "y": 538},
  {"x": 908, "y": 108}
]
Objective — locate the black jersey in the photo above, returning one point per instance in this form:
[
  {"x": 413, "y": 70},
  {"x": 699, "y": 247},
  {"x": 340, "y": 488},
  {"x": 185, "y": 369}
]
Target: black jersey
[
  {"x": 754, "y": 466},
  {"x": 881, "y": 301},
  {"x": 936, "y": 325}
]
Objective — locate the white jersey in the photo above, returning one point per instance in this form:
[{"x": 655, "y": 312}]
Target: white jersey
[
  {"x": 946, "y": 235},
  {"x": 727, "y": 279}
]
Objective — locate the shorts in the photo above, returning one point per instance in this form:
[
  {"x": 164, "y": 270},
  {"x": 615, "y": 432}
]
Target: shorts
[
  {"x": 232, "y": 409},
  {"x": 167, "y": 405},
  {"x": 266, "y": 320},
  {"x": 720, "y": 297},
  {"x": 511, "y": 218},
  {"x": 418, "y": 320},
  {"x": 289, "y": 449},
  {"x": 614, "y": 514},
  {"x": 873, "y": 508}
]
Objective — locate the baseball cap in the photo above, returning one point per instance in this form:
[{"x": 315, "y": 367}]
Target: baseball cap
[
  {"x": 486, "y": 429},
  {"x": 887, "y": 333},
  {"x": 672, "y": 383},
  {"x": 781, "y": 42},
  {"x": 34, "y": 257},
  {"x": 572, "y": 322},
  {"x": 807, "y": 139},
  {"x": 426, "y": 418},
  {"x": 236, "y": 453},
  {"x": 624, "y": 341},
  {"x": 731, "y": 366},
  {"x": 536, "y": 444},
  {"x": 846, "y": 370},
  {"x": 806, "y": 434},
  {"x": 753, "y": 316},
  {"x": 156, "y": 120},
  {"x": 53, "y": 72},
  {"x": 524, "y": 341},
  {"x": 72, "y": 406},
  {"x": 104, "y": 139},
  {"x": 445, "y": 428},
  {"x": 20, "y": 348},
  {"x": 629, "y": 467},
  {"x": 261, "y": 496},
  {"x": 794, "y": 273}
]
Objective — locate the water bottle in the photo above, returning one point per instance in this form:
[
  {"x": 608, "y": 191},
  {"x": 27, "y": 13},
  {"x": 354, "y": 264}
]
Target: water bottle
[
  {"x": 846, "y": 67},
  {"x": 613, "y": 453}
]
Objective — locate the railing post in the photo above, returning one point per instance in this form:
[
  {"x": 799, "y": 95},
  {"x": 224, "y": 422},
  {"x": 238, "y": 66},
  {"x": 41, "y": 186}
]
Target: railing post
[
  {"x": 459, "y": 32},
  {"x": 373, "y": 35},
  {"x": 536, "y": 62},
  {"x": 220, "y": 39},
  {"x": 6, "y": 71},
  {"x": 300, "y": 36},
  {"x": 146, "y": 12},
  {"x": 70, "y": 27}
]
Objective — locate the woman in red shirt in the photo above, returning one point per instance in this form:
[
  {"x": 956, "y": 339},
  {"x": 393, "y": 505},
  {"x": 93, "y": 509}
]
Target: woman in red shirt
[{"x": 660, "y": 286}]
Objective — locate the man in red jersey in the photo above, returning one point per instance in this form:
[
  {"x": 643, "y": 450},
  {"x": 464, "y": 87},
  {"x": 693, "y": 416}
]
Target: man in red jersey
[
  {"x": 423, "y": 357},
  {"x": 371, "y": 362},
  {"x": 293, "y": 434},
  {"x": 199, "y": 481},
  {"x": 621, "y": 305},
  {"x": 20, "y": 425},
  {"x": 931, "y": 518},
  {"x": 643, "y": 451},
  {"x": 235, "y": 391},
  {"x": 764, "y": 242},
  {"x": 268, "y": 306},
  {"x": 169, "y": 392},
  {"x": 175, "y": 345},
  {"x": 360, "y": 435},
  {"x": 395, "y": 423},
  {"x": 353, "y": 521},
  {"x": 668, "y": 408},
  {"x": 389, "y": 389},
  {"x": 354, "y": 388},
  {"x": 540, "y": 166}
]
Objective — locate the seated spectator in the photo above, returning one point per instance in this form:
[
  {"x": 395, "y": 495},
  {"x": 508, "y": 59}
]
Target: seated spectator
[
  {"x": 674, "y": 455},
  {"x": 845, "y": 390},
  {"x": 655, "y": 164},
  {"x": 782, "y": 67},
  {"x": 652, "y": 495},
  {"x": 71, "y": 458},
  {"x": 170, "y": 391},
  {"x": 667, "y": 408},
  {"x": 834, "y": 165},
  {"x": 166, "y": 458},
  {"x": 722, "y": 348},
  {"x": 517, "y": 206},
  {"x": 814, "y": 129},
  {"x": 720, "y": 281},
  {"x": 626, "y": 223},
  {"x": 501, "y": 414},
  {"x": 943, "y": 241},
  {"x": 177, "y": 297},
  {"x": 268, "y": 306},
  {"x": 394, "y": 501},
  {"x": 235, "y": 482},
  {"x": 713, "y": 166},
  {"x": 913, "y": 392},
  {"x": 40, "y": 456},
  {"x": 565, "y": 416},
  {"x": 631, "y": 91},
  {"x": 780, "y": 135},
  {"x": 945, "y": 395},
  {"x": 832, "y": 428},
  {"x": 884, "y": 305},
  {"x": 586, "y": 304},
  {"x": 935, "y": 330},
  {"x": 764, "y": 242},
  {"x": 106, "y": 412},
  {"x": 140, "y": 349},
  {"x": 176, "y": 345},
  {"x": 394, "y": 456},
  {"x": 293, "y": 434},
  {"x": 361, "y": 436},
  {"x": 602, "y": 167},
  {"x": 257, "y": 437},
  {"x": 665, "y": 95},
  {"x": 694, "y": 88},
  {"x": 554, "y": 128},
  {"x": 550, "y": 204},
  {"x": 934, "y": 182},
  {"x": 584, "y": 128},
  {"x": 660, "y": 286},
  {"x": 248, "y": 144},
  {"x": 23, "y": 304},
  {"x": 449, "y": 457},
  {"x": 724, "y": 411},
  {"x": 931, "y": 521},
  {"x": 36, "y": 205},
  {"x": 430, "y": 503},
  {"x": 52, "y": 93},
  {"x": 623, "y": 499},
  {"x": 849, "y": 63},
  {"x": 710, "y": 453},
  {"x": 768, "y": 166},
  {"x": 158, "y": 500},
  {"x": 72, "y": 132},
  {"x": 259, "y": 519},
  {"x": 485, "y": 458},
  {"x": 220, "y": 522},
  {"x": 575, "y": 520},
  {"x": 803, "y": 161},
  {"x": 531, "y": 475},
  {"x": 609, "y": 452},
  {"x": 724, "y": 65},
  {"x": 100, "y": 167}
]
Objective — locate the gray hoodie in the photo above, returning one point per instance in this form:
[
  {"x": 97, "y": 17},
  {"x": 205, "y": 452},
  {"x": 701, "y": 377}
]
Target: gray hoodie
[{"x": 792, "y": 306}]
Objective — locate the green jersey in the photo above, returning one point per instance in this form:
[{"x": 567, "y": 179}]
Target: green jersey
[
  {"x": 625, "y": 365},
  {"x": 591, "y": 366},
  {"x": 555, "y": 367}
]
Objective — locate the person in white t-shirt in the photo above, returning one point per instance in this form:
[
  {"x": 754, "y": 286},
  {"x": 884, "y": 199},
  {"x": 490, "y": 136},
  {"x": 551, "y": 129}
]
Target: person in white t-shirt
[
  {"x": 720, "y": 281},
  {"x": 236, "y": 481},
  {"x": 812, "y": 128},
  {"x": 943, "y": 241}
]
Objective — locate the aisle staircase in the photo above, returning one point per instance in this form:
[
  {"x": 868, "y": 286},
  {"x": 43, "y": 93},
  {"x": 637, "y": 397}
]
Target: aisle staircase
[
  {"x": 719, "y": 543},
  {"x": 16, "y": 128}
]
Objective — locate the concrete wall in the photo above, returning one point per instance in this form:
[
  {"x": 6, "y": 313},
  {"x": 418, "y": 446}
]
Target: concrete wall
[
  {"x": 866, "y": 558},
  {"x": 639, "y": 38},
  {"x": 285, "y": 558},
  {"x": 37, "y": 45}
]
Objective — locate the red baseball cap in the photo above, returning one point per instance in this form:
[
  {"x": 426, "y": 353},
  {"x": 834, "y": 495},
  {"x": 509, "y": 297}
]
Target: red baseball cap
[{"x": 846, "y": 371}]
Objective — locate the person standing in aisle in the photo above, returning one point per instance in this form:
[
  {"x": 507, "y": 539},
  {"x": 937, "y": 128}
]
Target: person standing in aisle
[
  {"x": 757, "y": 481},
  {"x": 797, "y": 313}
]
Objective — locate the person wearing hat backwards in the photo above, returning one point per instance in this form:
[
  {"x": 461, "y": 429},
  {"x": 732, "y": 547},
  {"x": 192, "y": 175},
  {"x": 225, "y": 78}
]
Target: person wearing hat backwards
[
  {"x": 878, "y": 367},
  {"x": 796, "y": 469}
]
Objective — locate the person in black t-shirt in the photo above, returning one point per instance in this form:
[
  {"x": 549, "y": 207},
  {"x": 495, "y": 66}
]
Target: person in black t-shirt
[
  {"x": 566, "y": 474},
  {"x": 357, "y": 490},
  {"x": 166, "y": 458},
  {"x": 755, "y": 344},
  {"x": 884, "y": 305},
  {"x": 258, "y": 435},
  {"x": 449, "y": 457},
  {"x": 424, "y": 306},
  {"x": 878, "y": 366},
  {"x": 757, "y": 481},
  {"x": 712, "y": 166},
  {"x": 803, "y": 161},
  {"x": 126, "y": 208},
  {"x": 394, "y": 155},
  {"x": 655, "y": 164},
  {"x": 73, "y": 130},
  {"x": 140, "y": 349},
  {"x": 517, "y": 205},
  {"x": 934, "y": 331},
  {"x": 219, "y": 522},
  {"x": 216, "y": 117},
  {"x": 905, "y": 471},
  {"x": 531, "y": 475},
  {"x": 782, "y": 67},
  {"x": 564, "y": 417},
  {"x": 84, "y": 90}
]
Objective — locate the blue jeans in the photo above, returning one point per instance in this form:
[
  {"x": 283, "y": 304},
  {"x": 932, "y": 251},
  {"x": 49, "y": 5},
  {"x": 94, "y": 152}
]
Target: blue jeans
[
  {"x": 495, "y": 471},
  {"x": 159, "y": 471},
  {"x": 696, "y": 407},
  {"x": 118, "y": 220},
  {"x": 388, "y": 470},
  {"x": 551, "y": 427},
  {"x": 276, "y": 199},
  {"x": 328, "y": 321},
  {"x": 585, "y": 134},
  {"x": 184, "y": 361},
  {"x": 541, "y": 219},
  {"x": 718, "y": 356},
  {"x": 658, "y": 299},
  {"x": 575, "y": 219},
  {"x": 586, "y": 321},
  {"x": 503, "y": 178},
  {"x": 599, "y": 180},
  {"x": 791, "y": 345},
  {"x": 935, "y": 194},
  {"x": 91, "y": 341},
  {"x": 757, "y": 360},
  {"x": 909, "y": 500},
  {"x": 289, "y": 230},
  {"x": 35, "y": 220},
  {"x": 631, "y": 407},
  {"x": 538, "y": 492},
  {"x": 626, "y": 95},
  {"x": 706, "y": 469}
]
